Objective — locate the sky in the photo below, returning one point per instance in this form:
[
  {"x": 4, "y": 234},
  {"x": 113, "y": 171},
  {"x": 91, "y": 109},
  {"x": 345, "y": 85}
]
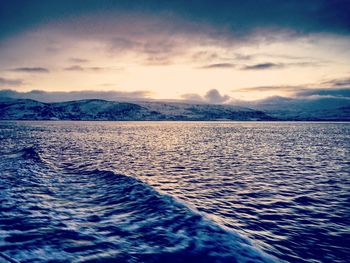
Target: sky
[{"x": 199, "y": 50}]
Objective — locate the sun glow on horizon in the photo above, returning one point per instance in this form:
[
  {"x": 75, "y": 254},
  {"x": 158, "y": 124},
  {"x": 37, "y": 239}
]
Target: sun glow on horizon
[{"x": 168, "y": 59}]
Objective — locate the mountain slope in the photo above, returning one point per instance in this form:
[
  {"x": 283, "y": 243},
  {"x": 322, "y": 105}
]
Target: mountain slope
[
  {"x": 24, "y": 109},
  {"x": 316, "y": 109}
]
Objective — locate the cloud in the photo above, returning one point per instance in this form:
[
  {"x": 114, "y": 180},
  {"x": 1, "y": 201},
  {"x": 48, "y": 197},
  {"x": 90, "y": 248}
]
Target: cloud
[
  {"x": 205, "y": 56},
  {"x": 338, "y": 82},
  {"x": 301, "y": 91},
  {"x": 238, "y": 56},
  {"x": 157, "y": 40},
  {"x": 270, "y": 88},
  {"x": 161, "y": 34},
  {"x": 155, "y": 45},
  {"x": 270, "y": 65},
  {"x": 80, "y": 68},
  {"x": 263, "y": 66},
  {"x": 329, "y": 92},
  {"x": 218, "y": 65},
  {"x": 226, "y": 59},
  {"x": 151, "y": 38},
  {"x": 31, "y": 70},
  {"x": 74, "y": 68},
  {"x": 192, "y": 97},
  {"x": 212, "y": 96},
  {"x": 160, "y": 39},
  {"x": 10, "y": 82},
  {"x": 302, "y": 16},
  {"x": 78, "y": 60},
  {"x": 283, "y": 56},
  {"x": 335, "y": 87},
  {"x": 58, "y": 96}
]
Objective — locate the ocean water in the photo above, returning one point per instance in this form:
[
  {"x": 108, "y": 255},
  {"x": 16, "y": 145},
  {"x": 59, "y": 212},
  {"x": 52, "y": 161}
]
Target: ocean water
[{"x": 174, "y": 192}]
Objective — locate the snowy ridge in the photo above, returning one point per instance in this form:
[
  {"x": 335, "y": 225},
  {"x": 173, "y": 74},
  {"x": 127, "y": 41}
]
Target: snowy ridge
[{"x": 24, "y": 109}]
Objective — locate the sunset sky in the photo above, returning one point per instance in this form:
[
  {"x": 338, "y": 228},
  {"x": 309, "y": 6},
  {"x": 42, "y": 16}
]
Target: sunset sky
[{"x": 176, "y": 49}]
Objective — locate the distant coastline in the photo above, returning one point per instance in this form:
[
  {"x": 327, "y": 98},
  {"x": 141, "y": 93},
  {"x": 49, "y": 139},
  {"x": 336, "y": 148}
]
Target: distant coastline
[{"x": 103, "y": 110}]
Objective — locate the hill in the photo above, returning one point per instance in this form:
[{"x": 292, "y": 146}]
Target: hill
[{"x": 25, "y": 109}]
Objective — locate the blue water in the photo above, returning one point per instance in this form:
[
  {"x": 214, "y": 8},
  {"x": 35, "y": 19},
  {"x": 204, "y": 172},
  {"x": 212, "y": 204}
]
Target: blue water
[{"x": 174, "y": 192}]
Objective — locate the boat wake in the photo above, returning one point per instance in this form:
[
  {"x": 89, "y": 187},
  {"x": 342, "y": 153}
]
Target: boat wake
[{"x": 77, "y": 213}]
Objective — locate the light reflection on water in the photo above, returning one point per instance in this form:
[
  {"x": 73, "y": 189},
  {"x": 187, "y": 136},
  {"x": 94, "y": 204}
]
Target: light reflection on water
[{"x": 284, "y": 185}]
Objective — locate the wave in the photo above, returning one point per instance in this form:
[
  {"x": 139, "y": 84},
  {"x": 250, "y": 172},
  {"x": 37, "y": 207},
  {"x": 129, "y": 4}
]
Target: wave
[
  {"x": 87, "y": 215},
  {"x": 26, "y": 153}
]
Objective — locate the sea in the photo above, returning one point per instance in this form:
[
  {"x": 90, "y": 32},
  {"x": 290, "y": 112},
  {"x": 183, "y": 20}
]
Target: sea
[{"x": 76, "y": 191}]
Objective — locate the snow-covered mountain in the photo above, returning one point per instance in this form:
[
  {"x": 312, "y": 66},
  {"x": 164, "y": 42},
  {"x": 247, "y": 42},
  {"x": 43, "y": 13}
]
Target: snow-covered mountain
[
  {"x": 25, "y": 109},
  {"x": 275, "y": 108},
  {"x": 304, "y": 109}
]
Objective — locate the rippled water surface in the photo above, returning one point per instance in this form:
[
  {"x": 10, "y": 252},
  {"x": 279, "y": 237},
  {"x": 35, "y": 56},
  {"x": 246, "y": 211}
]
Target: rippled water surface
[{"x": 174, "y": 191}]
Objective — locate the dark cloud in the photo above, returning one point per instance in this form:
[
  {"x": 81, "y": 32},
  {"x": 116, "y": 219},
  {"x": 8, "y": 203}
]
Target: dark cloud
[
  {"x": 156, "y": 40},
  {"x": 31, "y": 70},
  {"x": 270, "y": 88},
  {"x": 239, "y": 16},
  {"x": 10, "y": 82},
  {"x": 270, "y": 65},
  {"x": 302, "y": 91},
  {"x": 326, "y": 93},
  {"x": 218, "y": 65},
  {"x": 338, "y": 82},
  {"x": 263, "y": 66},
  {"x": 159, "y": 38},
  {"x": 291, "y": 59},
  {"x": 212, "y": 96},
  {"x": 46, "y": 96},
  {"x": 285, "y": 60},
  {"x": 288, "y": 61},
  {"x": 333, "y": 88}
]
